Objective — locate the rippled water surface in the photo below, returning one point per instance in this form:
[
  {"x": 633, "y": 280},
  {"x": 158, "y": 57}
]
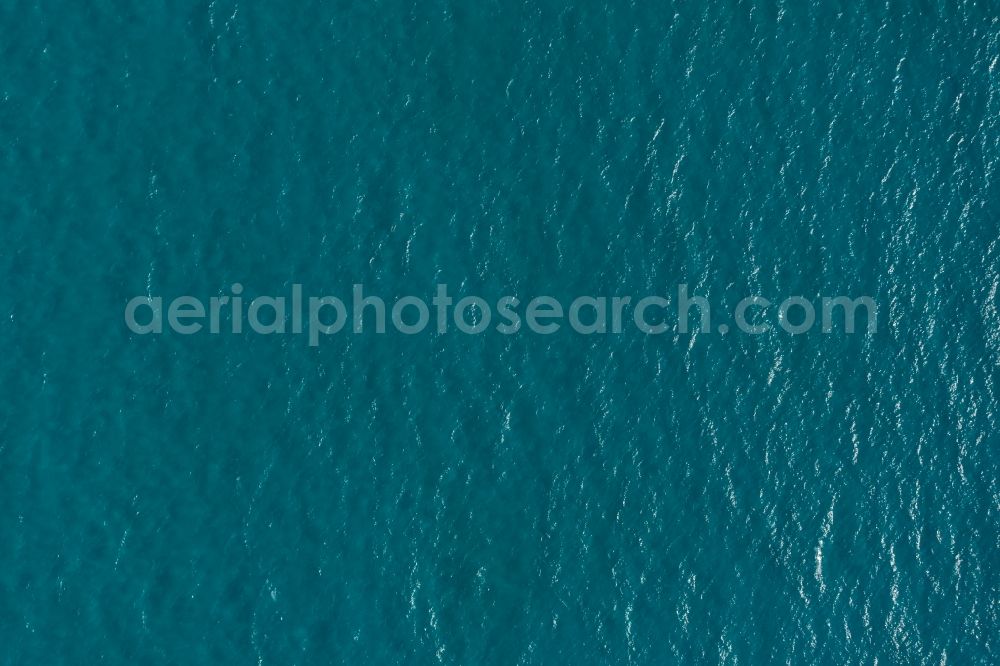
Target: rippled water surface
[{"x": 493, "y": 499}]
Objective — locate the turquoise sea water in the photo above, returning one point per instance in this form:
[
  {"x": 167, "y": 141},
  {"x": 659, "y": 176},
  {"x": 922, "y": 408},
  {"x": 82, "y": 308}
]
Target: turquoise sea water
[{"x": 563, "y": 499}]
